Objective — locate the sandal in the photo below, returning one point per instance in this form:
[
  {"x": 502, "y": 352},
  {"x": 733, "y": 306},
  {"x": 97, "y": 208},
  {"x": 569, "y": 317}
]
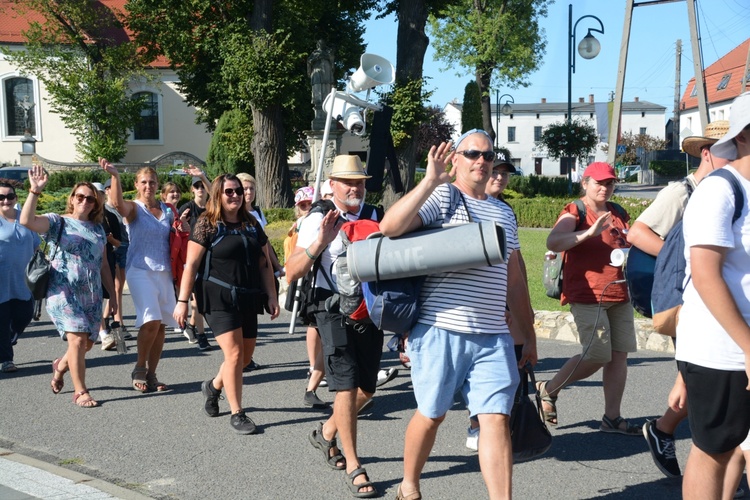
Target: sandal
[
  {"x": 138, "y": 376},
  {"x": 411, "y": 496},
  {"x": 613, "y": 426},
  {"x": 354, "y": 488},
  {"x": 336, "y": 461},
  {"x": 57, "y": 383},
  {"x": 86, "y": 403},
  {"x": 548, "y": 416},
  {"x": 154, "y": 384}
]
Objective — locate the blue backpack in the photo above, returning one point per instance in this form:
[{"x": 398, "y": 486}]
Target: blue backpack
[{"x": 669, "y": 270}]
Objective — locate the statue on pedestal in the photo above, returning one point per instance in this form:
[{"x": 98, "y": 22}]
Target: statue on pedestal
[{"x": 320, "y": 70}]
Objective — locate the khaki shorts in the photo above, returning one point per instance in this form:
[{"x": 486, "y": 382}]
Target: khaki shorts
[{"x": 614, "y": 330}]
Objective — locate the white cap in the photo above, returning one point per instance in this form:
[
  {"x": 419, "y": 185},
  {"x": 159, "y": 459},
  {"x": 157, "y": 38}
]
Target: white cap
[{"x": 739, "y": 118}]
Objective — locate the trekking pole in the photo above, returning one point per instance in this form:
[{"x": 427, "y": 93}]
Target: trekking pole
[{"x": 295, "y": 306}]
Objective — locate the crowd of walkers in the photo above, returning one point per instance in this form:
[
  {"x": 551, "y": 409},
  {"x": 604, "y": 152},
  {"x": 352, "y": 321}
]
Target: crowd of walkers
[{"x": 475, "y": 329}]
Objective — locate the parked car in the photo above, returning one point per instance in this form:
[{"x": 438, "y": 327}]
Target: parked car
[
  {"x": 628, "y": 170},
  {"x": 19, "y": 174}
]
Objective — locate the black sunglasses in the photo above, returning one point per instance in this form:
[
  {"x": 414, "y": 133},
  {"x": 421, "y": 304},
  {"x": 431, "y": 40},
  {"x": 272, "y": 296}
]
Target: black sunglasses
[
  {"x": 473, "y": 154},
  {"x": 81, "y": 197},
  {"x": 236, "y": 191},
  {"x": 9, "y": 197}
]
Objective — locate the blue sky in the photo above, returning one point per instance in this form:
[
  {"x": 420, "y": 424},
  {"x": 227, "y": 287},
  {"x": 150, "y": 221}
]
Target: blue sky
[{"x": 650, "y": 74}]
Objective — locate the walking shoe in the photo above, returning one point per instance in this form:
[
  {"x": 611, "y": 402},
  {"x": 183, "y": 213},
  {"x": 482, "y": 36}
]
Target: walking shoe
[
  {"x": 242, "y": 424},
  {"x": 14, "y": 338},
  {"x": 472, "y": 438},
  {"x": 365, "y": 409},
  {"x": 8, "y": 367},
  {"x": 312, "y": 400},
  {"x": 385, "y": 376},
  {"x": 212, "y": 395},
  {"x": 323, "y": 382},
  {"x": 202, "y": 340},
  {"x": 662, "y": 449},
  {"x": 109, "y": 343},
  {"x": 189, "y": 333},
  {"x": 252, "y": 365},
  {"x": 740, "y": 493},
  {"x": 126, "y": 335}
]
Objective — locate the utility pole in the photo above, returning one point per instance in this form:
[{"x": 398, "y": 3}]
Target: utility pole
[
  {"x": 676, "y": 117},
  {"x": 745, "y": 81}
]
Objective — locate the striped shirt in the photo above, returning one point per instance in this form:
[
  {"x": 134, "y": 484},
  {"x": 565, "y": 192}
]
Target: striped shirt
[{"x": 470, "y": 300}]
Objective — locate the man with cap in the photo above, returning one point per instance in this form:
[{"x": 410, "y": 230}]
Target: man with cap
[
  {"x": 351, "y": 353},
  {"x": 111, "y": 226},
  {"x": 461, "y": 342},
  {"x": 199, "y": 186},
  {"x": 713, "y": 352},
  {"x": 648, "y": 233}
]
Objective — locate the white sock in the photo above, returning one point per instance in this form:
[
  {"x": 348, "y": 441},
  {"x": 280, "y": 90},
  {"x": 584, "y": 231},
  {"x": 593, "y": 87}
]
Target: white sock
[{"x": 102, "y": 333}]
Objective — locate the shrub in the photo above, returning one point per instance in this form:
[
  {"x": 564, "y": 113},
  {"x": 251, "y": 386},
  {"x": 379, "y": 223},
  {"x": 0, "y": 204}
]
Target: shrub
[
  {"x": 668, "y": 168},
  {"x": 536, "y": 185}
]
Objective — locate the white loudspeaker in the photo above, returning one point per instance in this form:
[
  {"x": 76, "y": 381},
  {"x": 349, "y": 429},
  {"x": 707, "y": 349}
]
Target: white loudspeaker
[
  {"x": 348, "y": 114},
  {"x": 373, "y": 71}
]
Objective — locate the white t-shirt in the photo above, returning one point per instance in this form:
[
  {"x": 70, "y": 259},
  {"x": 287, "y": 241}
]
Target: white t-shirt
[
  {"x": 470, "y": 300},
  {"x": 308, "y": 233},
  {"x": 708, "y": 221},
  {"x": 260, "y": 218}
]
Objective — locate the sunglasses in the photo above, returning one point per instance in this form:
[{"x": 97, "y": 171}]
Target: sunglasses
[
  {"x": 80, "y": 198},
  {"x": 473, "y": 154},
  {"x": 9, "y": 197},
  {"x": 619, "y": 237},
  {"x": 236, "y": 191}
]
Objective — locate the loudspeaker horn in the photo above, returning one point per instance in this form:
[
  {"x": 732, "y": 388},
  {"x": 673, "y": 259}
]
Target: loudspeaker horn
[{"x": 373, "y": 71}]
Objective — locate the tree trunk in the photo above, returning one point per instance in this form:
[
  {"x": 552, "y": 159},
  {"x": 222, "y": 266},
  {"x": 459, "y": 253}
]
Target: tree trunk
[
  {"x": 411, "y": 45},
  {"x": 273, "y": 185},
  {"x": 483, "y": 81}
]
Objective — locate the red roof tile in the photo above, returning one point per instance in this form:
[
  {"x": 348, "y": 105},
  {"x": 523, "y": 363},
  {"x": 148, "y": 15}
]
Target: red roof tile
[{"x": 731, "y": 65}]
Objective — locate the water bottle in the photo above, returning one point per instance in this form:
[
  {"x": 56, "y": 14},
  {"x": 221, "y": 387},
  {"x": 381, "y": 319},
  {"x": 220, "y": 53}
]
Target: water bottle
[{"x": 116, "y": 331}]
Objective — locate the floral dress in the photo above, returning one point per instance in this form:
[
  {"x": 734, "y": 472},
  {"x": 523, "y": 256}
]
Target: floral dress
[{"x": 74, "y": 298}]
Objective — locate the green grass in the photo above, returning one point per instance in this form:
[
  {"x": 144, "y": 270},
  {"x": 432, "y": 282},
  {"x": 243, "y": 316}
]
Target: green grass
[{"x": 533, "y": 247}]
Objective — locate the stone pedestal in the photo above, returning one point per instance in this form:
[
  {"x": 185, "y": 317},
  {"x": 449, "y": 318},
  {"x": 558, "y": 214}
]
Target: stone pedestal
[{"x": 315, "y": 144}]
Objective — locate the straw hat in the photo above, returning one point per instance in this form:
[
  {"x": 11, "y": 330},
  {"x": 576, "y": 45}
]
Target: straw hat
[
  {"x": 348, "y": 167},
  {"x": 714, "y": 131}
]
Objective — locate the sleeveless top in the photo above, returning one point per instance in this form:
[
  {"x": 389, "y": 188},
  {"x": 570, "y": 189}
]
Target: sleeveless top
[{"x": 149, "y": 239}]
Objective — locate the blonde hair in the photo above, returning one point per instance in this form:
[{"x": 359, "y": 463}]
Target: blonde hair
[
  {"x": 167, "y": 187},
  {"x": 143, "y": 171},
  {"x": 245, "y": 177},
  {"x": 97, "y": 213}
]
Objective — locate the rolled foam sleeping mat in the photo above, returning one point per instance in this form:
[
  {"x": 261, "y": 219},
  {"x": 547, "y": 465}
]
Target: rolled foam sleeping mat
[{"x": 448, "y": 248}]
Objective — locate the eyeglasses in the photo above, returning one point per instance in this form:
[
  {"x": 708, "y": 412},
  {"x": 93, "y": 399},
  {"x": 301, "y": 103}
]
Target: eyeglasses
[
  {"x": 473, "y": 154},
  {"x": 9, "y": 197},
  {"x": 619, "y": 237},
  {"x": 504, "y": 175},
  {"x": 232, "y": 192},
  {"x": 80, "y": 198}
]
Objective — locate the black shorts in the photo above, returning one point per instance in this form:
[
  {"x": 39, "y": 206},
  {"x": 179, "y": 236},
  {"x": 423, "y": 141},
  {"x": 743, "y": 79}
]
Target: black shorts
[
  {"x": 718, "y": 407},
  {"x": 226, "y": 321},
  {"x": 351, "y": 355}
]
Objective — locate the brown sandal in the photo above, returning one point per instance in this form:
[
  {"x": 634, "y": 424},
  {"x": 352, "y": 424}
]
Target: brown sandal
[
  {"x": 138, "y": 376},
  {"x": 57, "y": 383},
  {"x": 154, "y": 385},
  {"x": 86, "y": 403}
]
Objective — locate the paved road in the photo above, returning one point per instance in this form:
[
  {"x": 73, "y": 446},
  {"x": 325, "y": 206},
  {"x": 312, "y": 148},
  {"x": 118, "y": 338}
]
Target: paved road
[{"x": 163, "y": 446}]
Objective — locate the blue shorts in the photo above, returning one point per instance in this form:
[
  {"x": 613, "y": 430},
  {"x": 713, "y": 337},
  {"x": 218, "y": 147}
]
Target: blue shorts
[
  {"x": 121, "y": 256},
  {"x": 443, "y": 362}
]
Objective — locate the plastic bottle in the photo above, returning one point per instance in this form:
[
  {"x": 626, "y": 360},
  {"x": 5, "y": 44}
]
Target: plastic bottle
[{"x": 116, "y": 331}]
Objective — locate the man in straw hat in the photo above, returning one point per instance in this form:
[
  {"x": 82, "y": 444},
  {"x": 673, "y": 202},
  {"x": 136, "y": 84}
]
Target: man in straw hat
[
  {"x": 713, "y": 352},
  {"x": 648, "y": 233},
  {"x": 461, "y": 342},
  {"x": 352, "y": 354}
]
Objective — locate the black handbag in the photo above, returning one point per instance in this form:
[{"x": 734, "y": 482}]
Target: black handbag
[
  {"x": 528, "y": 432},
  {"x": 39, "y": 267}
]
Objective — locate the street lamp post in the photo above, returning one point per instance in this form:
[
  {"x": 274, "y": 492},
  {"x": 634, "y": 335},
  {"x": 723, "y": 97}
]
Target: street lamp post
[
  {"x": 588, "y": 49},
  {"x": 506, "y": 110}
]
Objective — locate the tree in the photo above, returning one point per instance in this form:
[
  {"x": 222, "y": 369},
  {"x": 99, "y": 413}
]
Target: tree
[
  {"x": 499, "y": 38},
  {"x": 229, "y": 151},
  {"x": 434, "y": 130},
  {"x": 633, "y": 142},
  {"x": 87, "y": 65},
  {"x": 577, "y": 140},
  {"x": 471, "y": 111}
]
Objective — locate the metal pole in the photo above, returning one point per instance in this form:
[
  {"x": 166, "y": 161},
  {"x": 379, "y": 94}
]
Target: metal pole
[
  {"x": 497, "y": 118},
  {"x": 570, "y": 83}
]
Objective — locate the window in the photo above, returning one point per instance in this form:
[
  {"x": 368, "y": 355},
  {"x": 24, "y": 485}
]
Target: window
[
  {"x": 537, "y": 134},
  {"x": 20, "y": 115},
  {"x": 724, "y": 82},
  {"x": 643, "y": 131},
  {"x": 695, "y": 91},
  {"x": 148, "y": 128},
  {"x": 511, "y": 134}
]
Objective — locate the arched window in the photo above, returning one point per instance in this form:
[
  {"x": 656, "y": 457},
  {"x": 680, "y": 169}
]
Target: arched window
[
  {"x": 148, "y": 128},
  {"x": 20, "y": 115}
]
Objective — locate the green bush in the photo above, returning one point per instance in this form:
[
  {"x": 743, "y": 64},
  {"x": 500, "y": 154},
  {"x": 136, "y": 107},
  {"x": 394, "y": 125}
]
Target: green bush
[
  {"x": 542, "y": 212},
  {"x": 668, "y": 168},
  {"x": 537, "y": 185},
  {"x": 279, "y": 214}
]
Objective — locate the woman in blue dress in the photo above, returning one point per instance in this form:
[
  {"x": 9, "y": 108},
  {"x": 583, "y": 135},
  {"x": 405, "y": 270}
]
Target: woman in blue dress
[
  {"x": 74, "y": 297},
  {"x": 17, "y": 246}
]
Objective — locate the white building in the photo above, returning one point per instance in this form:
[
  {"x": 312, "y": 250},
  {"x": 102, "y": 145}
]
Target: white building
[{"x": 520, "y": 130}]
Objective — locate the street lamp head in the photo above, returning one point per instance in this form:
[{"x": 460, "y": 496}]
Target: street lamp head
[
  {"x": 507, "y": 109},
  {"x": 589, "y": 46}
]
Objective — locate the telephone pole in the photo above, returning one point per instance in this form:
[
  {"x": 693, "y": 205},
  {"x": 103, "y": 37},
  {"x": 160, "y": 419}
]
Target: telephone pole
[{"x": 676, "y": 118}]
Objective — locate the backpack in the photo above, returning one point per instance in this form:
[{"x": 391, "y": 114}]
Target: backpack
[
  {"x": 639, "y": 272},
  {"x": 553, "y": 264},
  {"x": 669, "y": 270}
]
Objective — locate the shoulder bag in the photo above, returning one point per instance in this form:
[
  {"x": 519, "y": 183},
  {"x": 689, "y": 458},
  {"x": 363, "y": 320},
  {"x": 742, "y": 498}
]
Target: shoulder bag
[{"x": 39, "y": 267}]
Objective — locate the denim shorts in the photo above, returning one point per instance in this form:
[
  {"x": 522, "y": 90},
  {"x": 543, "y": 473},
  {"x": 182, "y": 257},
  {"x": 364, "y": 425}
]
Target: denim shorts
[
  {"x": 481, "y": 366},
  {"x": 121, "y": 256}
]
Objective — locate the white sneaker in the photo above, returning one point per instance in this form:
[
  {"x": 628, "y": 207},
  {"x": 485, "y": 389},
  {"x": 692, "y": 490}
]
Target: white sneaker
[
  {"x": 189, "y": 333},
  {"x": 472, "y": 439},
  {"x": 108, "y": 342},
  {"x": 385, "y": 376}
]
